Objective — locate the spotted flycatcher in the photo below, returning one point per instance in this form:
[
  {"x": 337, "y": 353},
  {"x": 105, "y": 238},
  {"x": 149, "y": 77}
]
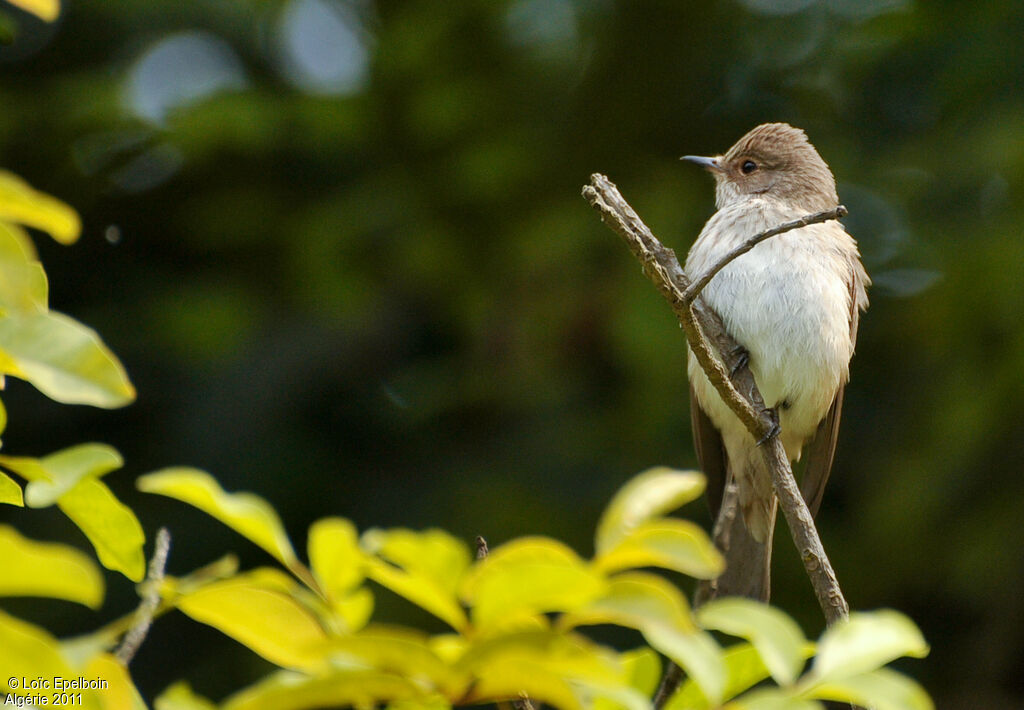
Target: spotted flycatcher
[{"x": 792, "y": 302}]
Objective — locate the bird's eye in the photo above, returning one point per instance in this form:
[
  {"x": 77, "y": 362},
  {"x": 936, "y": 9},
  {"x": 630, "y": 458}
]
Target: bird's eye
[{"x": 748, "y": 167}]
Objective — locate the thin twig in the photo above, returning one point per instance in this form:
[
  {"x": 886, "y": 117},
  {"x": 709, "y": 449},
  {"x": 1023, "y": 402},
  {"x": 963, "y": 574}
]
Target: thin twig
[
  {"x": 150, "y": 599},
  {"x": 694, "y": 289},
  {"x": 738, "y": 390}
]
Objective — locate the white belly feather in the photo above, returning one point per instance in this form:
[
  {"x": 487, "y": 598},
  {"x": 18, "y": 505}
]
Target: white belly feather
[{"x": 788, "y": 302}]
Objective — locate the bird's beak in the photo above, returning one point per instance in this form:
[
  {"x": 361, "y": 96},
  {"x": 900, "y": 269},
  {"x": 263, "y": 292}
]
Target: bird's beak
[{"x": 706, "y": 163}]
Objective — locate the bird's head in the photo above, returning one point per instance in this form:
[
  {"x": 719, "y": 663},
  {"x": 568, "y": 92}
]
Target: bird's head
[{"x": 774, "y": 160}]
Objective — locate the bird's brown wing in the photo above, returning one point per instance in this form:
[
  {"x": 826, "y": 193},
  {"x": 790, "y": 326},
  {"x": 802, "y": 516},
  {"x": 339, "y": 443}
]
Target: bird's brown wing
[
  {"x": 707, "y": 442},
  {"x": 822, "y": 449},
  {"x": 820, "y": 453}
]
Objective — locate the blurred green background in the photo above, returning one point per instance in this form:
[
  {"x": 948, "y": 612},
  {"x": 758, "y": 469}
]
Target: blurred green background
[{"x": 341, "y": 249}]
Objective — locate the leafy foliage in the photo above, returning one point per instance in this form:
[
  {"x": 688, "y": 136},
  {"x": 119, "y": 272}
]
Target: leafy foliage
[{"x": 527, "y": 601}]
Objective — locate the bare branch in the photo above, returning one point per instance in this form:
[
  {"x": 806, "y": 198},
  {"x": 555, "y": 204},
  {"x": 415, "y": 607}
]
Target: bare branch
[{"x": 150, "y": 599}]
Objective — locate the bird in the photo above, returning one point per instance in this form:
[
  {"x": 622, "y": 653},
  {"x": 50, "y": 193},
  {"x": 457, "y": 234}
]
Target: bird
[{"x": 792, "y": 303}]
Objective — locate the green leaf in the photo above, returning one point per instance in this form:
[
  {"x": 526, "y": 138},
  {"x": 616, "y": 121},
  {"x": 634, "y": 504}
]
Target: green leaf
[
  {"x": 28, "y": 651},
  {"x": 604, "y": 695},
  {"x": 545, "y": 665},
  {"x": 398, "y": 650},
  {"x": 110, "y": 525},
  {"x": 642, "y": 668},
  {"x": 335, "y": 557},
  {"x": 430, "y": 702},
  {"x": 868, "y": 640},
  {"x": 673, "y": 544},
  {"x": 119, "y": 693},
  {"x": 10, "y": 491},
  {"x": 431, "y": 555},
  {"x": 245, "y": 513},
  {"x": 47, "y": 570},
  {"x": 52, "y": 476},
  {"x": 260, "y": 609},
  {"x": 528, "y": 576},
  {"x": 19, "y": 202},
  {"x": 180, "y": 696},
  {"x": 773, "y": 699},
  {"x": 422, "y": 592},
  {"x": 63, "y": 359},
  {"x": 777, "y": 638},
  {"x": 286, "y": 690},
  {"x": 880, "y": 689},
  {"x": 650, "y": 494},
  {"x": 354, "y": 609},
  {"x": 660, "y": 612},
  {"x": 23, "y": 285},
  {"x": 427, "y": 568}
]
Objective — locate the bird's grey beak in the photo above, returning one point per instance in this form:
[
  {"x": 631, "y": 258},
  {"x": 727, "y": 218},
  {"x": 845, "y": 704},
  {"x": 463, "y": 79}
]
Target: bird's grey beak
[{"x": 706, "y": 163}]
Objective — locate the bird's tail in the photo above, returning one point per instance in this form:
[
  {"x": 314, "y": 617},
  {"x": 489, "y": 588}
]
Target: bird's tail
[{"x": 748, "y": 562}]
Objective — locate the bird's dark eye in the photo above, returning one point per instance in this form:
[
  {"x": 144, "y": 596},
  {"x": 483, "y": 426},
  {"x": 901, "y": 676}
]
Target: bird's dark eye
[{"x": 748, "y": 167}]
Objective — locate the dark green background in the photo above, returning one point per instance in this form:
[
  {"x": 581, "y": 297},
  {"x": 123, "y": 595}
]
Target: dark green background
[{"x": 375, "y": 291}]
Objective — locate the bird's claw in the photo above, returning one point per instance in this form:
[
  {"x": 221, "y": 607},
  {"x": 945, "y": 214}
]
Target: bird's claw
[
  {"x": 740, "y": 359},
  {"x": 774, "y": 430}
]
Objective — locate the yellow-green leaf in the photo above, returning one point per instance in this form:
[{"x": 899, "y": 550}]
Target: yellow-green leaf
[
  {"x": 180, "y": 696},
  {"x": 650, "y": 494},
  {"x": 545, "y": 665},
  {"x": 23, "y": 285},
  {"x": 642, "y": 669},
  {"x": 47, "y": 570},
  {"x": 10, "y": 491},
  {"x": 431, "y": 554},
  {"x": 430, "y": 702},
  {"x": 527, "y": 576},
  {"x": 773, "y": 699},
  {"x": 52, "y": 476},
  {"x": 19, "y": 201},
  {"x": 354, "y": 610},
  {"x": 868, "y": 640},
  {"x": 422, "y": 592},
  {"x": 119, "y": 692},
  {"x": 673, "y": 544},
  {"x": 399, "y": 650},
  {"x": 777, "y": 638},
  {"x": 260, "y": 609},
  {"x": 881, "y": 689},
  {"x": 245, "y": 513},
  {"x": 286, "y": 690},
  {"x": 334, "y": 556},
  {"x": 28, "y": 651},
  {"x": 110, "y": 525},
  {"x": 63, "y": 359},
  {"x": 659, "y": 611},
  {"x": 744, "y": 669}
]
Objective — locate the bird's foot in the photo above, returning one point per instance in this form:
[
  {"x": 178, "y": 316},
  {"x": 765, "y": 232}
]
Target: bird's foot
[
  {"x": 774, "y": 430},
  {"x": 740, "y": 359}
]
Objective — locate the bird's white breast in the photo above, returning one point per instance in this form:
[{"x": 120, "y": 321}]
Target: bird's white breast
[{"x": 788, "y": 302}]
